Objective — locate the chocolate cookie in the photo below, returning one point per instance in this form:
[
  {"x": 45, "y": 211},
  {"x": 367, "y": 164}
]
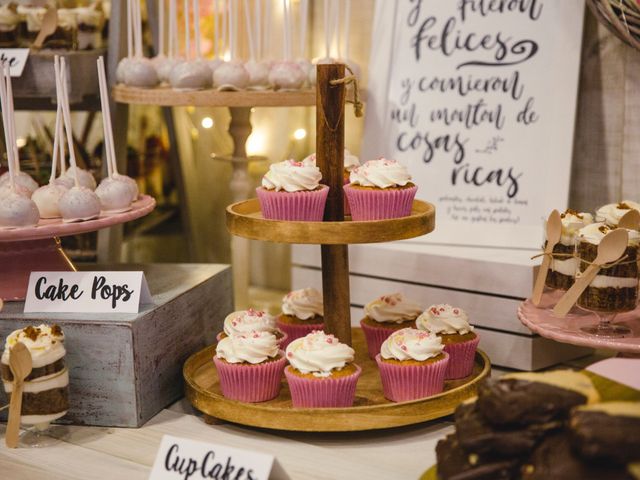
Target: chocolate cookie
[
  {"x": 522, "y": 399},
  {"x": 607, "y": 432},
  {"x": 476, "y": 435},
  {"x": 455, "y": 464},
  {"x": 553, "y": 459}
]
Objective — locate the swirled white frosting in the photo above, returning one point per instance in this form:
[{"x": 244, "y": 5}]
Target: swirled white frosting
[
  {"x": 411, "y": 344},
  {"x": 304, "y": 304},
  {"x": 613, "y": 212},
  {"x": 319, "y": 354},
  {"x": 381, "y": 173},
  {"x": 444, "y": 319},
  {"x": 573, "y": 221},
  {"x": 254, "y": 347},
  {"x": 595, "y": 232},
  {"x": 350, "y": 161},
  {"x": 44, "y": 342},
  {"x": 292, "y": 176},
  {"x": 247, "y": 321},
  {"x": 393, "y": 308}
]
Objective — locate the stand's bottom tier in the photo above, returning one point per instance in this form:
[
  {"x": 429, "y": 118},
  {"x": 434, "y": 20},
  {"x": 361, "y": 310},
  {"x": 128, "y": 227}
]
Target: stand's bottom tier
[{"x": 370, "y": 410}]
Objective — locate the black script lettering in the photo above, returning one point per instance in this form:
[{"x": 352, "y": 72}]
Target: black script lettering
[
  {"x": 53, "y": 293},
  {"x": 113, "y": 292},
  {"x": 478, "y": 176},
  {"x": 527, "y": 115}
]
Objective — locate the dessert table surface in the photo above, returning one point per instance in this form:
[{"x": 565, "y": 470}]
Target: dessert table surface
[{"x": 129, "y": 453}]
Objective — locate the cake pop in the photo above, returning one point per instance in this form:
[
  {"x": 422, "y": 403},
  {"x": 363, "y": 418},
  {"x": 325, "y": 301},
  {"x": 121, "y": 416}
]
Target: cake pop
[
  {"x": 135, "y": 70},
  {"x": 302, "y": 61},
  {"x": 216, "y": 61},
  {"x": 78, "y": 203},
  {"x": 258, "y": 71},
  {"x": 231, "y": 75},
  {"x": 15, "y": 210},
  {"x": 287, "y": 74},
  {"x": 329, "y": 29}
]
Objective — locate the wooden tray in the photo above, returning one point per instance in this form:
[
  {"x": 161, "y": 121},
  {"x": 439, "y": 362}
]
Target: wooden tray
[
  {"x": 245, "y": 219},
  {"x": 371, "y": 410}
]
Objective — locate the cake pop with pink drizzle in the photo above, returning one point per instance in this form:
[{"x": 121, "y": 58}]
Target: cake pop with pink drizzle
[
  {"x": 15, "y": 210},
  {"x": 78, "y": 203},
  {"x": 287, "y": 74}
]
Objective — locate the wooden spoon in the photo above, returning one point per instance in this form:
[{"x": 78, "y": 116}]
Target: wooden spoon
[
  {"x": 611, "y": 248},
  {"x": 49, "y": 25},
  {"x": 630, "y": 220},
  {"x": 21, "y": 366},
  {"x": 554, "y": 231}
]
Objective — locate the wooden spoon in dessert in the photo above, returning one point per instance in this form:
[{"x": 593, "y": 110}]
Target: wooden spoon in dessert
[
  {"x": 21, "y": 366},
  {"x": 630, "y": 220},
  {"x": 611, "y": 248},
  {"x": 554, "y": 231},
  {"x": 49, "y": 25}
]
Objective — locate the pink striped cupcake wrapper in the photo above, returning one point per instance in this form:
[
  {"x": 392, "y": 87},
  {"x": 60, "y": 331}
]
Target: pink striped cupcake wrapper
[
  {"x": 375, "y": 337},
  {"x": 347, "y": 209},
  {"x": 461, "y": 358},
  {"x": 380, "y": 203},
  {"x": 330, "y": 392},
  {"x": 293, "y": 331},
  {"x": 251, "y": 383},
  {"x": 283, "y": 340},
  {"x": 293, "y": 206},
  {"x": 401, "y": 383}
]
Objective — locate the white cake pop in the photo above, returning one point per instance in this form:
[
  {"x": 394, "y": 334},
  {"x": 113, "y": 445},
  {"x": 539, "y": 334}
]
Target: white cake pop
[
  {"x": 136, "y": 70},
  {"x": 131, "y": 184},
  {"x": 231, "y": 75},
  {"x": 287, "y": 75},
  {"x": 214, "y": 63},
  {"x": 123, "y": 66},
  {"x": 191, "y": 75},
  {"x": 258, "y": 74},
  {"x": 6, "y": 188},
  {"x": 24, "y": 182},
  {"x": 140, "y": 72},
  {"x": 165, "y": 66},
  {"x": 65, "y": 181},
  {"x": 18, "y": 211},
  {"x": 84, "y": 177}
]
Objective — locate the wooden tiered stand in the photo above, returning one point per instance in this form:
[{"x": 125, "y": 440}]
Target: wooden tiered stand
[{"x": 371, "y": 410}]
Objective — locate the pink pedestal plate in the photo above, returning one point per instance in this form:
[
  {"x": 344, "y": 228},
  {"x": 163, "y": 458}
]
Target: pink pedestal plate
[
  {"x": 23, "y": 250},
  {"x": 542, "y": 321}
]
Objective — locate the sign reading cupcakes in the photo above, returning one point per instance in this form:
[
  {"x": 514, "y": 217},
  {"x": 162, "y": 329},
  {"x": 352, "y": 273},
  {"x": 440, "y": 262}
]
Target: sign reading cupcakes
[{"x": 478, "y": 100}]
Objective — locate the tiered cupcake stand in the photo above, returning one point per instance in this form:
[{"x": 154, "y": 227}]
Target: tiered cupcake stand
[
  {"x": 370, "y": 410},
  {"x": 23, "y": 250},
  {"x": 541, "y": 320}
]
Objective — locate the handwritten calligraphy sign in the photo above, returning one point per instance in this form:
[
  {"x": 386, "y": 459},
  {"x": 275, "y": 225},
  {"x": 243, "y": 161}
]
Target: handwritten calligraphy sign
[
  {"x": 16, "y": 58},
  {"x": 478, "y": 99}
]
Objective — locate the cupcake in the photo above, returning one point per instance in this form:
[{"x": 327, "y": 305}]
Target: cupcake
[
  {"x": 412, "y": 365},
  {"x": 291, "y": 191},
  {"x": 385, "y": 315},
  {"x": 380, "y": 189},
  {"x": 244, "y": 322},
  {"x": 301, "y": 314},
  {"x": 46, "y": 388},
  {"x": 614, "y": 289},
  {"x": 563, "y": 264},
  {"x": 250, "y": 366},
  {"x": 612, "y": 213},
  {"x": 351, "y": 162},
  {"x": 451, "y": 324},
  {"x": 320, "y": 372}
]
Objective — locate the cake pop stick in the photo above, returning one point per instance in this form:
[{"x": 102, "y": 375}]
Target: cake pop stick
[
  {"x": 258, "y": 27},
  {"x": 161, "y": 27},
  {"x": 60, "y": 67},
  {"x": 56, "y": 147},
  {"x": 138, "y": 27},
  {"x": 327, "y": 28},
  {"x": 347, "y": 27},
  {"x": 247, "y": 17},
  {"x": 196, "y": 22},
  {"x": 216, "y": 31},
  {"x": 304, "y": 16},
  {"x": 232, "y": 30},
  {"x": 287, "y": 30},
  {"x": 129, "y": 30},
  {"x": 5, "y": 119},
  {"x": 335, "y": 26},
  {"x": 106, "y": 118},
  {"x": 225, "y": 27},
  {"x": 267, "y": 28},
  {"x": 187, "y": 34},
  {"x": 173, "y": 30},
  {"x": 12, "y": 122}
]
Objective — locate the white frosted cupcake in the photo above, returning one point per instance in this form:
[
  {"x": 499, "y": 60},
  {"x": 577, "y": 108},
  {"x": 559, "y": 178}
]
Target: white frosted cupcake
[
  {"x": 244, "y": 322},
  {"x": 302, "y": 313}
]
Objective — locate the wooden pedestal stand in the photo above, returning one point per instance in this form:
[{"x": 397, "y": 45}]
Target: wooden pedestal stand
[{"x": 370, "y": 410}]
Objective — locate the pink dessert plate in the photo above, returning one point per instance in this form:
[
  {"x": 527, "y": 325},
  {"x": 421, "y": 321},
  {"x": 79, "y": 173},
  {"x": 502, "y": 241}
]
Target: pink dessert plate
[
  {"x": 542, "y": 321},
  {"x": 24, "y": 250}
]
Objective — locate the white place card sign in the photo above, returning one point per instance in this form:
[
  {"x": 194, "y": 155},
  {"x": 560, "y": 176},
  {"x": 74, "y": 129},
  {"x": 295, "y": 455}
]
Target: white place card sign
[
  {"x": 478, "y": 99},
  {"x": 16, "y": 58},
  {"x": 183, "y": 459},
  {"x": 86, "y": 292}
]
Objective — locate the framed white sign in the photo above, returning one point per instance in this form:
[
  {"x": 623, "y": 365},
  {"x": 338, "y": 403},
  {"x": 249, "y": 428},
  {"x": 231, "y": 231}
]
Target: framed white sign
[{"x": 478, "y": 99}]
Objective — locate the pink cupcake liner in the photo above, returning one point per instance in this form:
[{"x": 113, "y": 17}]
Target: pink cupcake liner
[
  {"x": 401, "y": 383},
  {"x": 461, "y": 358},
  {"x": 299, "y": 206},
  {"x": 282, "y": 340},
  {"x": 380, "y": 203},
  {"x": 375, "y": 337},
  {"x": 347, "y": 208},
  {"x": 322, "y": 392},
  {"x": 296, "y": 331},
  {"x": 251, "y": 383}
]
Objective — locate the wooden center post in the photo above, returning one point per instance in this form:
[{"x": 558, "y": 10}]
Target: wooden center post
[{"x": 330, "y": 107}]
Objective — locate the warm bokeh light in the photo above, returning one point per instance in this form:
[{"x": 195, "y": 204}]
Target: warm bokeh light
[
  {"x": 256, "y": 143},
  {"x": 207, "y": 122},
  {"x": 299, "y": 134}
]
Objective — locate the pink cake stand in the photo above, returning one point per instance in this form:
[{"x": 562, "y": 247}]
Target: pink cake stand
[
  {"x": 542, "y": 321},
  {"x": 24, "y": 250}
]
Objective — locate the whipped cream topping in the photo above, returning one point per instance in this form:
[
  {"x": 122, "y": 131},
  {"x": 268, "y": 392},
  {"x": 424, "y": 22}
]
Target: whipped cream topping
[
  {"x": 444, "y": 319},
  {"x": 304, "y": 304},
  {"x": 254, "y": 347},
  {"x": 292, "y": 176},
  {"x": 394, "y": 308},
  {"x": 319, "y": 354},
  {"x": 247, "y": 321},
  {"x": 351, "y": 162},
  {"x": 44, "y": 342},
  {"x": 573, "y": 221},
  {"x": 381, "y": 173},
  {"x": 595, "y": 232},
  {"x": 613, "y": 212},
  {"x": 411, "y": 344}
]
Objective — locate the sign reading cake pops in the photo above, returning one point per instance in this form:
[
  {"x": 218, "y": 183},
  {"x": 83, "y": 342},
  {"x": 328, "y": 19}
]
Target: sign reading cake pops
[
  {"x": 16, "y": 58},
  {"x": 478, "y": 98}
]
